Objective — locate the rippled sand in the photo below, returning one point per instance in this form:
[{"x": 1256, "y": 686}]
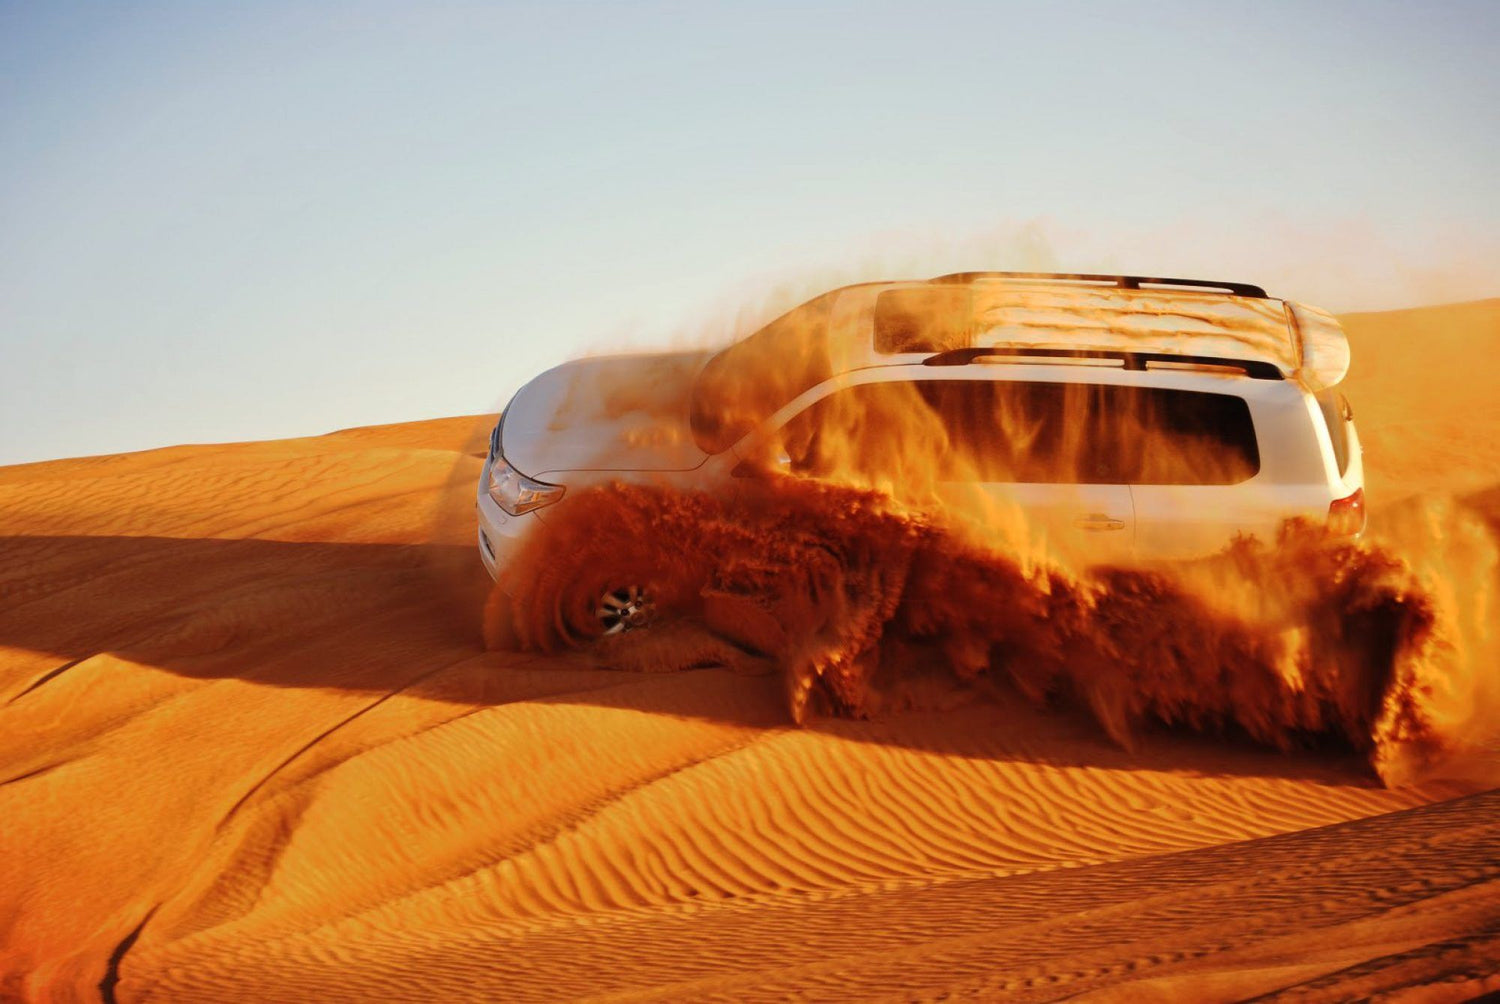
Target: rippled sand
[{"x": 252, "y": 748}]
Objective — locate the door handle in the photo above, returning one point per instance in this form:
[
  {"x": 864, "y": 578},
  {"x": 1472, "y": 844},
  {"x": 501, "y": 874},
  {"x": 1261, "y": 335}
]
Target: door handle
[{"x": 1098, "y": 521}]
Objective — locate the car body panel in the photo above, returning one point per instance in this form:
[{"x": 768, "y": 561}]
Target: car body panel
[
  {"x": 1083, "y": 524},
  {"x": 612, "y": 413}
]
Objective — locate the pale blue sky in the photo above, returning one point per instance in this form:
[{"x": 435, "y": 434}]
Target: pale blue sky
[{"x": 224, "y": 222}]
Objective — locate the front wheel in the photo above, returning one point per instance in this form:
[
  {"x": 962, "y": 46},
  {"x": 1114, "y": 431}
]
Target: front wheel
[{"x": 625, "y": 609}]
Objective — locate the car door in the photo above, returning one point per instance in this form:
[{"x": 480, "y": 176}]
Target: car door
[
  {"x": 1176, "y": 522},
  {"x": 1081, "y": 524},
  {"x": 1202, "y": 483}
]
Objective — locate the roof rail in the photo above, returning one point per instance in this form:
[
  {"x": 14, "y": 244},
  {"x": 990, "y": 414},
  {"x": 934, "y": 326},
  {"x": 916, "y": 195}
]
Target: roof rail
[
  {"x": 1122, "y": 281},
  {"x": 1258, "y": 369}
]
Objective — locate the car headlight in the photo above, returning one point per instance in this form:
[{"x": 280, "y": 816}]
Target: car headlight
[{"x": 515, "y": 492}]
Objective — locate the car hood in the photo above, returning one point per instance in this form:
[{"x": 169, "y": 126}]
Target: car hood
[{"x": 608, "y": 413}]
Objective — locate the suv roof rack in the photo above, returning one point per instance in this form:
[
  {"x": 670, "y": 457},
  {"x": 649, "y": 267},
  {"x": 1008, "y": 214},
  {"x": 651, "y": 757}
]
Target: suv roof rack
[
  {"x": 1122, "y": 281},
  {"x": 1258, "y": 369}
]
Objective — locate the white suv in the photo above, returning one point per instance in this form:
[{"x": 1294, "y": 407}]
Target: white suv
[{"x": 1126, "y": 418}]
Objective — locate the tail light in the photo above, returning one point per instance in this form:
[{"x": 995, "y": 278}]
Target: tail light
[{"x": 1346, "y": 516}]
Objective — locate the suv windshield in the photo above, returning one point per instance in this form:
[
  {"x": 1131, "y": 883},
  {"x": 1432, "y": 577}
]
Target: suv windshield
[
  {"x": 742, "y": 386},
  {"x": 1007, "y": 431}
]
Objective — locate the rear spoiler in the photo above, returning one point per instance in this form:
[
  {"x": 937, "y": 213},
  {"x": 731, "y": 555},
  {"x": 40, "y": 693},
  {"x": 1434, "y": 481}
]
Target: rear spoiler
[{"x": 1322, "y": 346}]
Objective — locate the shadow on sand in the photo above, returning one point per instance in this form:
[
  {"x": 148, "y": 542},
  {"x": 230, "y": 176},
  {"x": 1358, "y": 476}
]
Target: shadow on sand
[{"x": 403, "y": 618}]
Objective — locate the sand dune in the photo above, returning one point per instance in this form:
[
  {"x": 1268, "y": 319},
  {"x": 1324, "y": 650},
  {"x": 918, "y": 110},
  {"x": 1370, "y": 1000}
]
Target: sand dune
[
  {"x": 1422, "y": 383},
  {"x": 252, "y": 747}
]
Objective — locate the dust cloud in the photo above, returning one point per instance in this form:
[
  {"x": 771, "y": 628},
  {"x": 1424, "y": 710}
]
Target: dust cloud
[{"x": 1380, "y": 646}]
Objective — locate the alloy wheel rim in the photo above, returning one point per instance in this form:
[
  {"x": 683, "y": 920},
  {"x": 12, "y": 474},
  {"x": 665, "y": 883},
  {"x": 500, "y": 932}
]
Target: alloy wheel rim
[{"x": 624, "y": 609}]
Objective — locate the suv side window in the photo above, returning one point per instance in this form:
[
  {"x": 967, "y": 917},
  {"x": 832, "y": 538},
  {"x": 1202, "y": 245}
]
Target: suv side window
[
  {"x": 1336, "y": 415},
  {"x": 1015, "y": 431}
]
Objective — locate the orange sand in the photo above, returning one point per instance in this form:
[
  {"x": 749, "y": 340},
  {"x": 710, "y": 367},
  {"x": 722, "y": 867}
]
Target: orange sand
[{"x": 252, "y": 748}]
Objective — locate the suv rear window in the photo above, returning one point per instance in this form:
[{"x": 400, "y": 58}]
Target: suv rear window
[{"x": 1008, "y": 431}]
